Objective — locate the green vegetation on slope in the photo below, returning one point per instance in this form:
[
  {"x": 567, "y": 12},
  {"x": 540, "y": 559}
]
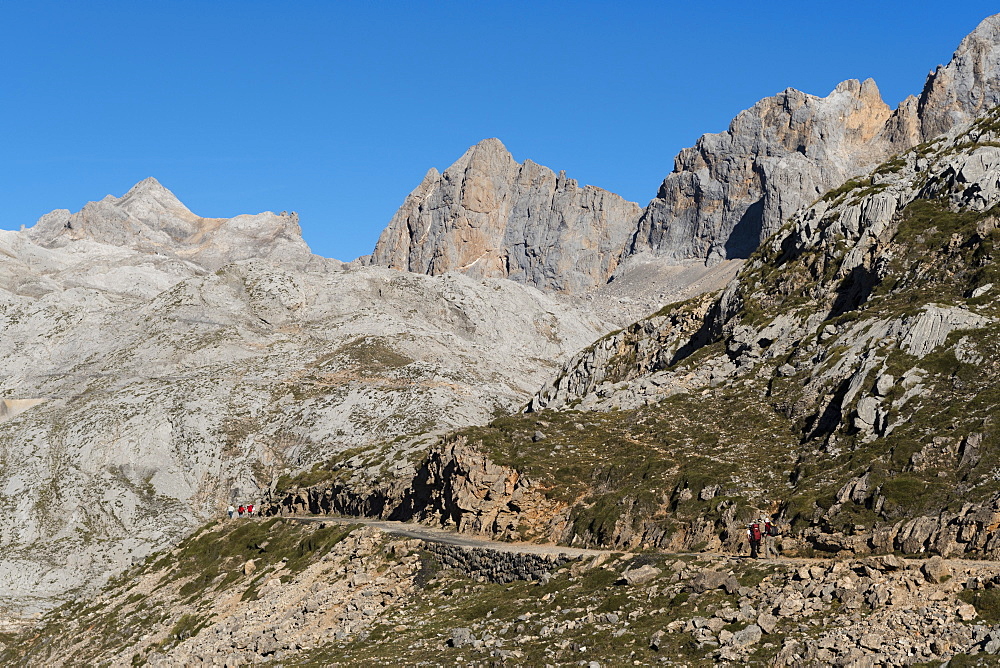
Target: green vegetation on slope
[{"x": 189, "y": 579}]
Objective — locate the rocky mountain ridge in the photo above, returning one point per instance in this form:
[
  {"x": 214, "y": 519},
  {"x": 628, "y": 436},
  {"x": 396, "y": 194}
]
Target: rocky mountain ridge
[
  {"x": 728, "y": 193},
  {"x": 149, "y": 218}
]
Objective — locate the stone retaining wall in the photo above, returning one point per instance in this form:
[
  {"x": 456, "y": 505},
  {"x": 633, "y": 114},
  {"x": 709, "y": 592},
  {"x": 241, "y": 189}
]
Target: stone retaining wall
[{"x": 495, "y": 565}]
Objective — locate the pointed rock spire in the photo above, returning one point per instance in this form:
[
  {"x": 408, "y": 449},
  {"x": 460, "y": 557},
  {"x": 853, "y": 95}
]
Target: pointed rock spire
[
  {"x": 489, "y": 216},
  {"x": 149, "y": 199}
]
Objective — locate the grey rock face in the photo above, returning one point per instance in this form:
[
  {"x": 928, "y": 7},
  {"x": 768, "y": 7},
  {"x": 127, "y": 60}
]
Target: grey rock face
[
  {"x": 735, "y": 188},
  {"x": 965, "y": 88},
  {"x": 151, "y": 219},
  {"x": 488, "y": 216}
]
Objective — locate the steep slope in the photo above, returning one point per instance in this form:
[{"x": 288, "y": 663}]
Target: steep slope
[
  {"x": 488, "y": 216},
  {"x": 143, "y": 393}
]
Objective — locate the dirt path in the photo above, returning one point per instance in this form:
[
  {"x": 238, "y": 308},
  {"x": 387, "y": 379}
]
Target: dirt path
[
  {"x": 446, "y": 537},
  {"x": 449, "y": 537}
]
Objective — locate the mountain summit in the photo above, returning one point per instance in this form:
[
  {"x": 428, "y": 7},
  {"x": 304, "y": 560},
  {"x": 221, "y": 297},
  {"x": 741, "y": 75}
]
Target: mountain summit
[
  {"x": 489, "y": 216},
  {"x": 150, "y": 218}
]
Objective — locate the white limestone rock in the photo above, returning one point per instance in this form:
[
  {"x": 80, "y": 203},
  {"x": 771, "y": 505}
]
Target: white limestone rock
[
  {"x": 142, "y": 393},
  {"x": 151, "y": 219}
]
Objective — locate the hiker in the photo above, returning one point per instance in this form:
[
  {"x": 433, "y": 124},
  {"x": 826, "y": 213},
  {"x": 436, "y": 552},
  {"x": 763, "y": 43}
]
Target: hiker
[
  {"x": 250, "y": 510},
  {"x": 231, "y": 511},
  {"x": 770, "y": 539},
  {"x": 242, "y": 510},
  {"x": 755, "y": 535}
]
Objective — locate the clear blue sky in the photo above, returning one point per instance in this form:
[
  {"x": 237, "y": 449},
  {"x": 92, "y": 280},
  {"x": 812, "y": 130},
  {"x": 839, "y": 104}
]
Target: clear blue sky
[{"x": 336, "y": 109}]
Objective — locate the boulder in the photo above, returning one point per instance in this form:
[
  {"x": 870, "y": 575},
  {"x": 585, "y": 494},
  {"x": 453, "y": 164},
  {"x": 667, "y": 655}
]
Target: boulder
[
  {"x": 461, "y": 637},
  {"x": 641, "y": 575},
  {"x": 750, "y": 635},
  {"x": 767, "y": 622},
  {"x": 708, "y": 580},
  {"x": 936, "y": 569}
]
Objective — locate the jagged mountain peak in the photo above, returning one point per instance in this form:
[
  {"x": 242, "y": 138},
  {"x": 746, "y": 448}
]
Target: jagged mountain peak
[
  {"x": 490, "y": 145},
  {"x": 969, "y": 85},
  {"x": 488, "y": 215},
  {"x": 150, "y": 218},
  {"x": 148, "y": 185},
  {"x": 987, "y": 31},
  {"x": 150, "y": 199},
  {"x": 489, "y": 155}
]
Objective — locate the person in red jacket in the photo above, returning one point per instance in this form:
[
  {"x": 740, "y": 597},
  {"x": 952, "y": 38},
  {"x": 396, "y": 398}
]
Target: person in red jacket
[
  {"x": 242, "y": 510},
  {"x": 755, "y": 534}
]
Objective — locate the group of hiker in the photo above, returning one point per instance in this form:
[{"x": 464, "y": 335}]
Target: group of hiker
[
  {"x": 762, "y": 534},
  {"x": 243, "y": 511}
]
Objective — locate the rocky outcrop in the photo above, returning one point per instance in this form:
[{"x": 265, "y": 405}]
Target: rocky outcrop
[
  {"x": 149, "y": 218},
  {"x": 644, "y": 349},
  {"x": 455, "y": 485},
  {"x": 488, "y": 216}
]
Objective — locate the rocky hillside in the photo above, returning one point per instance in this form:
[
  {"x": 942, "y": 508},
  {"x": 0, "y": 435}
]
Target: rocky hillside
[
  {"x": 855, "y": 352},
  {"x": 272, "y": 592},
  {"x": 488, "y": 216},
  {"x": 842, "y": 383},
  {"x": 143, "y": 391}
]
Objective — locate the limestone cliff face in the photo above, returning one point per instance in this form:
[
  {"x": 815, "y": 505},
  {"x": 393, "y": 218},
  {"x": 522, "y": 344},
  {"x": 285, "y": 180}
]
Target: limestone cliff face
[
  {"x": 734, "y": 189},
  {"x": 489, "y": 216},
  {"x": 967, "y": 87},
  {"x": 150, "y": 218}
]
